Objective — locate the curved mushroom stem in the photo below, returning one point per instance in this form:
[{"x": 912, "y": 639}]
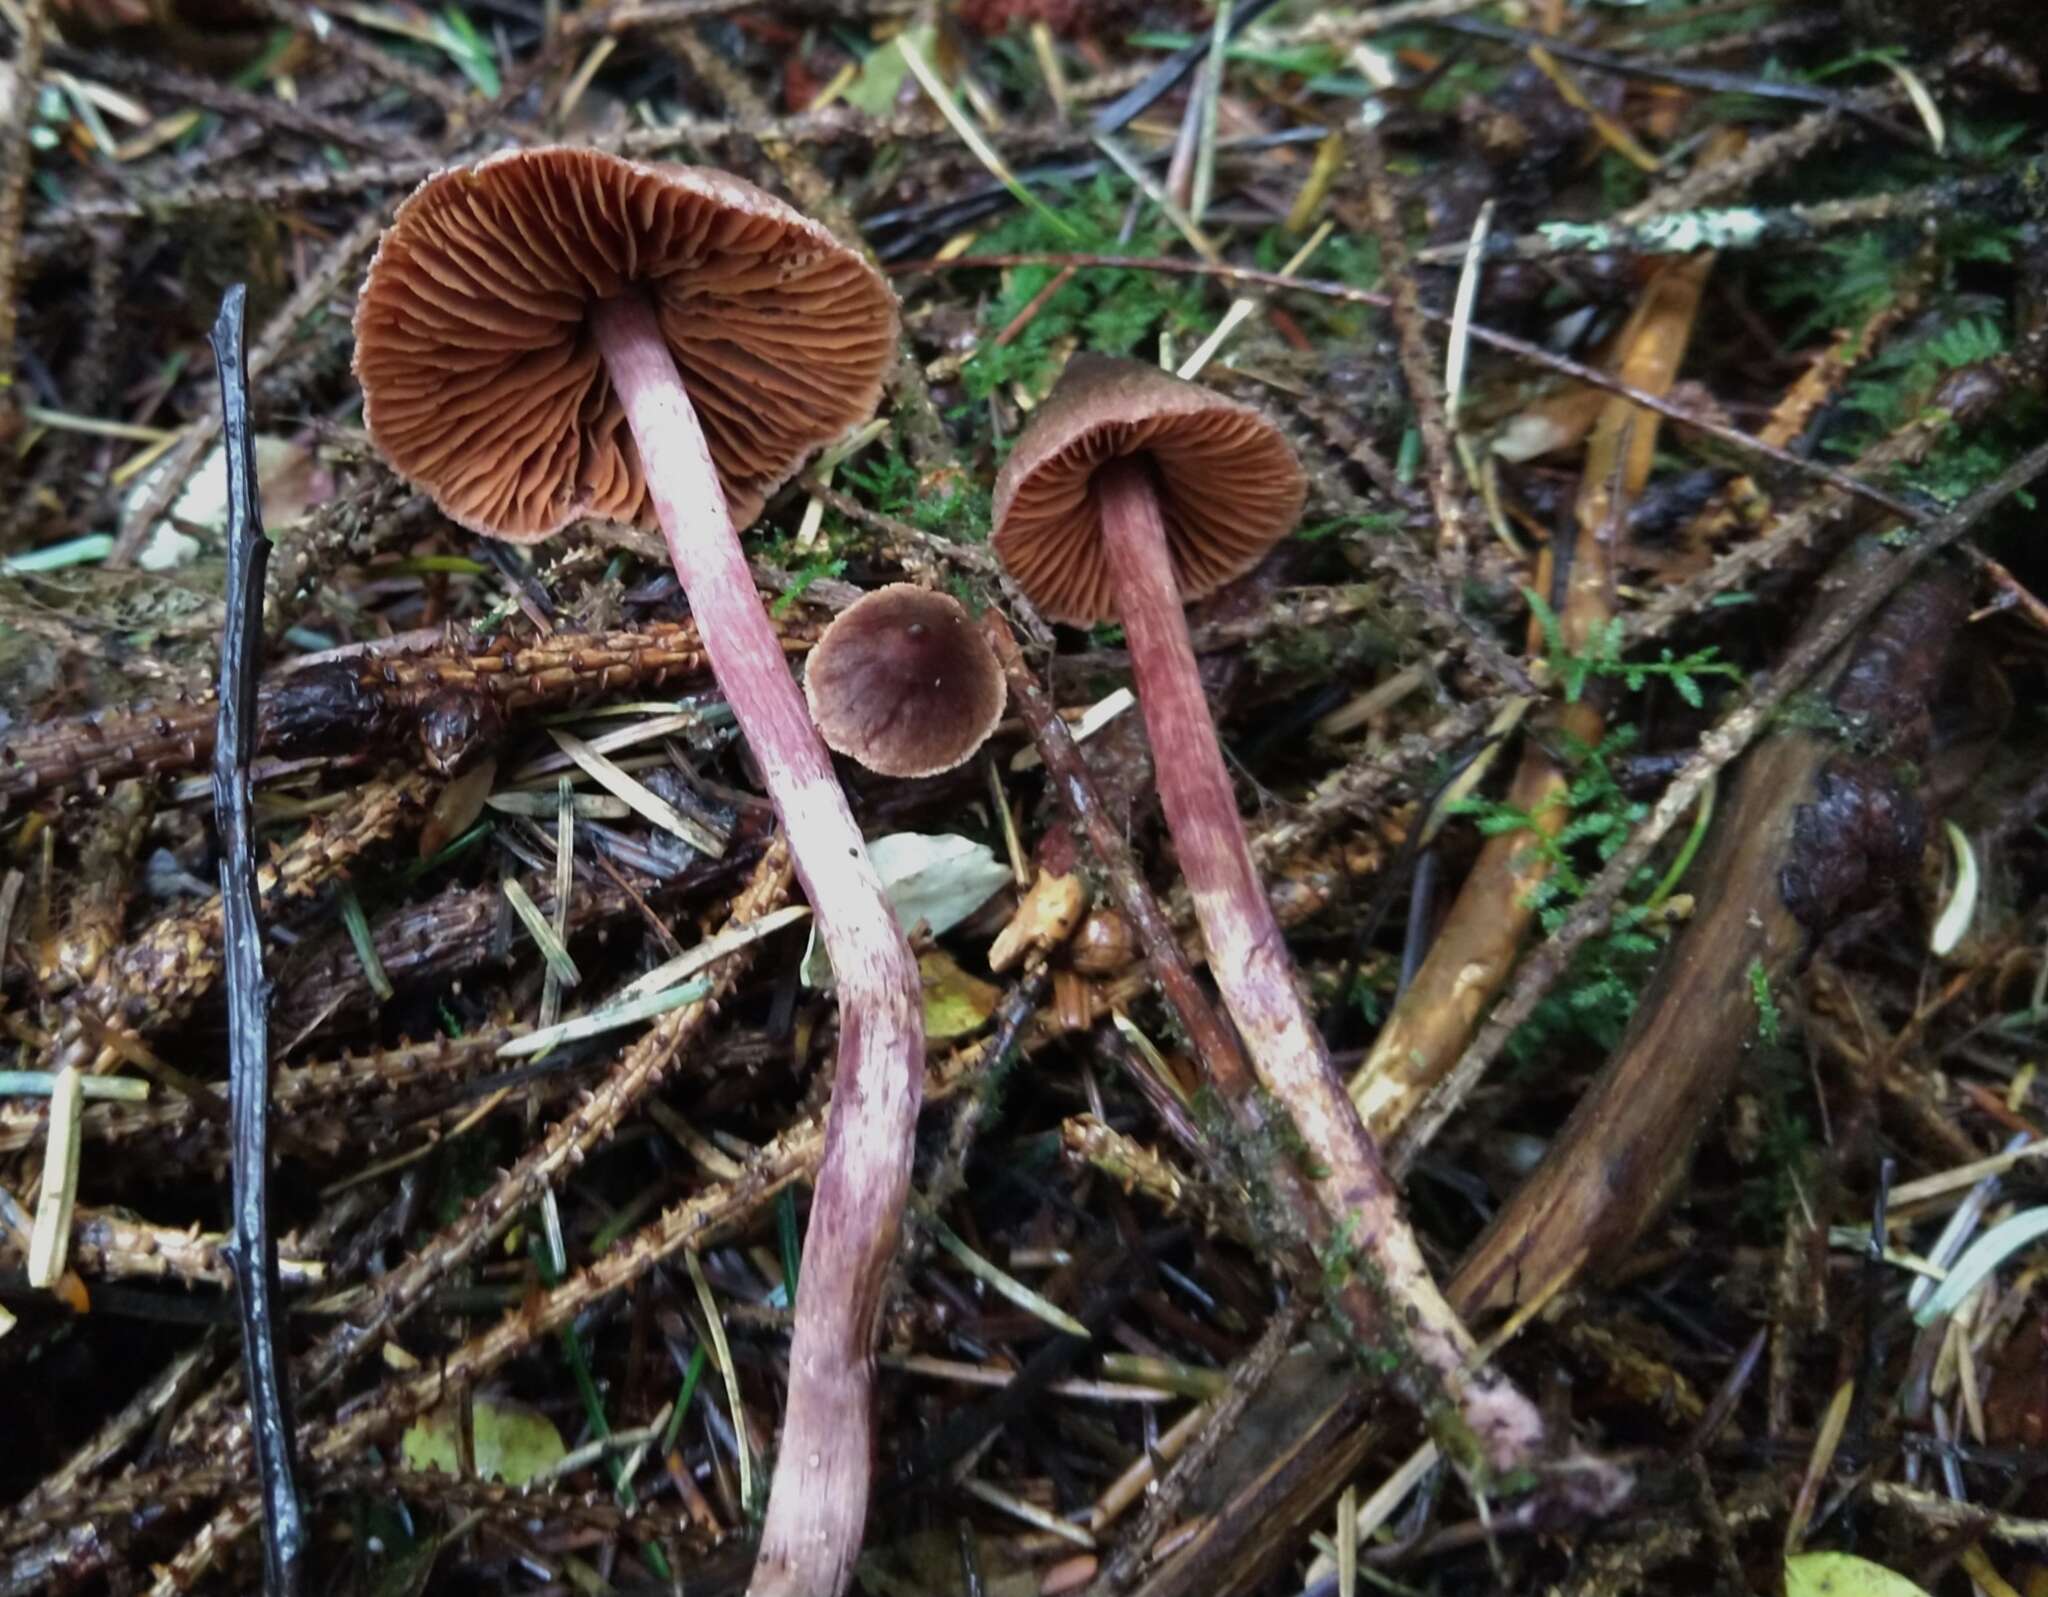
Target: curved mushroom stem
[
  {"x": 817, "y": 1501},
  {"x": 1249, "y": 960}
]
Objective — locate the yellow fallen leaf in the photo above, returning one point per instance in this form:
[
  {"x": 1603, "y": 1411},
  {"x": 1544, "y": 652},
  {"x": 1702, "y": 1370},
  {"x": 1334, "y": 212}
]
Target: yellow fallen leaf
[
  {"x": 955, "y": 1003},
  {"x": 1843, "y": 1575},
  {"x": 511, "y": 1442}
]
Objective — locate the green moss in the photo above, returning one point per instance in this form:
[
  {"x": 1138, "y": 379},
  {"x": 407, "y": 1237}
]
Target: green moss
[{"x": 1110, "y": 310}]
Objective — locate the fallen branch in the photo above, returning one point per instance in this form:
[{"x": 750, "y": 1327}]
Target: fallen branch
[
  {"x": 114, "y": 1247},
  {"x": 159, "y": 976},
  {"x": 1418, "y": 360},
  {"x": 453, "y": 700},
  {"x": 792, "y": 1157}
]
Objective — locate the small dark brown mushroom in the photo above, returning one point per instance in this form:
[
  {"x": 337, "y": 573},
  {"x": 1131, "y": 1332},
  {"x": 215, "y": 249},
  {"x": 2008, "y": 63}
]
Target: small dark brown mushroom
[{"x": 903, "y": 682}]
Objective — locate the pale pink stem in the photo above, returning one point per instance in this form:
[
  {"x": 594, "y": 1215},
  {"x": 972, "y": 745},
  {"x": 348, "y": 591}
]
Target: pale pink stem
[
  {"x": 1249, "y": 960},
  {"x": 817, "y": 1501}
]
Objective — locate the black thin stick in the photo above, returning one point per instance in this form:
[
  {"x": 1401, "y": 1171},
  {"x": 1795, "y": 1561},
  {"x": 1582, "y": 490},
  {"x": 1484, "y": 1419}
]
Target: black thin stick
[
  {"x": 1162, "y": 79},
  {"x": 1705, "y": 78},
  {"x": 253, "y": 1252}
]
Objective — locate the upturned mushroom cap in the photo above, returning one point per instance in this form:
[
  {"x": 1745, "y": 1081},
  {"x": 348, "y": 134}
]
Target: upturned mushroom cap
[
  {"x": 1229, "y": 485},
  {"x": 903, "y": 682},
  {"x": 483, "y": 385}
]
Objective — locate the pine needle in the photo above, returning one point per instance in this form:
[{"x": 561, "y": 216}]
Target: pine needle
[
  {"x": 587, "y": 806},
  {"x": 721, "y": 1355},
  {"x": 358, "y": 928},
  {"x": 612, "y": 1017},
  {"x": 638, "y": 795},
  {"x": 1149, "y": 186},
  {"x": 979, "y": 147},
  {"x": 1961, "y": 908},
  {"x": 1029, "y": 1513},
  {"x": 1142, "y": 1046},
  {"x": 1984, "y": 1255},
  {"x": 1242, "y": 307},
  {"x": 1003, "y": 1284},
  {"x": 542, "y": 933},
  {"x": 1098, "y": 716},
  {"x": 1211, "y": 91},
  {"x": 1461, "y": 313},
  {"x": 50, "y": 1242},
  {"x": 565, "y": 885},
  {"x": 43, "y": 1084},
  {"x": 711, "y": 950}
]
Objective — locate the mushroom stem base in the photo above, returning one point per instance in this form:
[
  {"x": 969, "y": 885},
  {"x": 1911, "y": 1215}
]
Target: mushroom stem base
[
  {"x": 1254, "y": 973},
  {"x": 817, "y": 1502}
]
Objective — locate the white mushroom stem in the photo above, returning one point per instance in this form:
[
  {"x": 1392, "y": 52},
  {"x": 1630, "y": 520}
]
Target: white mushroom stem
[
  {"x": 817, "y": 1500},
  {"x": 1248, "y": 958}
]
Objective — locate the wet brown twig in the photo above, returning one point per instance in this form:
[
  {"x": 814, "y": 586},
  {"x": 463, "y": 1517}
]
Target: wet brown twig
[
  {"x": 113, "y": 1247},
  {"x": 31, "y": 1517},
  {"x": 1418, "y": 361},
  {"x": 1248, "y": 1378},
  {"x": 368, "y": 1088},
  {"x": 793, "y": 1156},
  {"x": 642, "y": 1066},
  {"x": 454, "y": 700},
  {"x": 266, "y": 111},
  {"x": 160, "y": 975},
  {"x": 454, "y": 931},
  {"x": 312, "y": 184},
  {"x": 1968, "y": 396},
  {"x": 1520, "y": 348}
]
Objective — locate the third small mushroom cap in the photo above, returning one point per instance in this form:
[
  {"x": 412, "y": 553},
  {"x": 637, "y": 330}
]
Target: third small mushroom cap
[
  {"x": 1229, "y": 486},
  {"x": 482, "y": 382},
  {"x": 904, "y": 682}
]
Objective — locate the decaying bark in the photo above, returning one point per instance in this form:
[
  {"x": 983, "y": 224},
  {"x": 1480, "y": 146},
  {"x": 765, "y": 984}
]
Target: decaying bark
[{"x": 1823, "y": 824}]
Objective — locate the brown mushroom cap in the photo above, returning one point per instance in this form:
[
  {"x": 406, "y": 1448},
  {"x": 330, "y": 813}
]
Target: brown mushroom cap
[
  {"x": 483, "y": 385},
  {"x": 1229, "y": 485},
  {"x": 904, "y": 682}
]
